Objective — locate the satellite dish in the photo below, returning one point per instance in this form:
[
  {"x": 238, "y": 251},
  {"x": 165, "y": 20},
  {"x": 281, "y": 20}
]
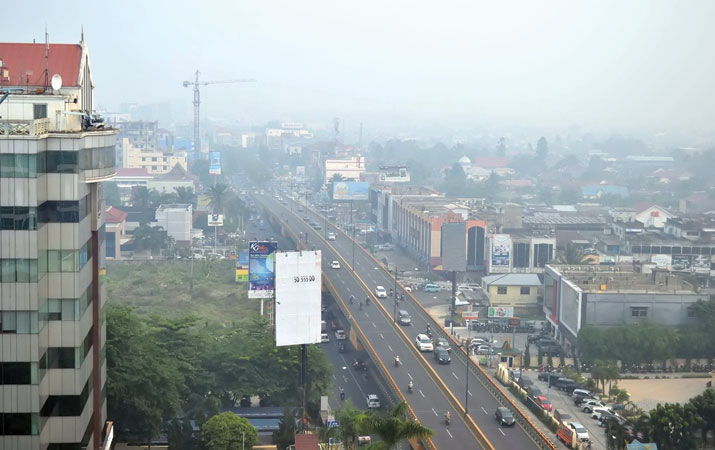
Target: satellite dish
[{"x": 56, "y": 81}]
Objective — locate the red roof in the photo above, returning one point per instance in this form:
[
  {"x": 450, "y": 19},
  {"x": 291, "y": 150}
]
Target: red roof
[
  {"x": 306, "y": 442},
  {"x": 26, "y": 63},
  {"x": 132, "y": 172},
  {"x": 490, "y": 162},
  {"x": 114, "y": 215}
]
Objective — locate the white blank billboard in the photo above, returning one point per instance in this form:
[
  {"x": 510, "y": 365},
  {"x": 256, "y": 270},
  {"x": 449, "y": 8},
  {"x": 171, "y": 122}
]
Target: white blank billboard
[{"x": 298, "y": 278}]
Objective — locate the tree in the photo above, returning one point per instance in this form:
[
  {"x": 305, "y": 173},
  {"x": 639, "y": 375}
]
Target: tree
[
  {"x": 285, "y": 434},
  {"x": 392, "y": 426},
  {"x": 527, "y": 357},
  {"x": 147, "y": 237},
  {"x": 542, "y": 148},
  {"x": 141, "y": 197},
  {"x": 227, "y": 431},
  {"x": 704, "y": 405},
  {"x": 111, "y": 194},
  {"x": 217, "y": 196},
  {"x": 186, "y": 195},
  {"x": 501, "y": 147},
  {"x": 347, "y": 417},
  {"x": 143, "y": 383},
  {"x": 180, "y": 435},
  {"x": 337, "y": 177},
  {"x": 572, "y": 255},
  {"x": 673, "y": 426}
]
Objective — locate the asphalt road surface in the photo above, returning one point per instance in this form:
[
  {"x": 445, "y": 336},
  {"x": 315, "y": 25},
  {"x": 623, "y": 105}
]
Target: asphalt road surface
[{"x": 428, "y": 400}]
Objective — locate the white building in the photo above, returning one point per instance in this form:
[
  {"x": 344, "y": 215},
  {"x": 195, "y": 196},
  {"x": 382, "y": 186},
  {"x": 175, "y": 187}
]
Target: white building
[
  {"x": 349, "y": 169},
  {"x": 176, "y": 219}
]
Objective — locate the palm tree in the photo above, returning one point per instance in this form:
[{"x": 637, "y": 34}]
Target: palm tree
[
  {"x": 572, "y": 255},
  {"x": 337, "y": 177},
  {"x": 392, "y": 427},
  {"x": 185, "y": 195},
  {"x": 347, "y": 417},
  {"x": 140, "y": 197},
  {"x": 150, "y": 238},
  {"x": 217, "y": 195}
]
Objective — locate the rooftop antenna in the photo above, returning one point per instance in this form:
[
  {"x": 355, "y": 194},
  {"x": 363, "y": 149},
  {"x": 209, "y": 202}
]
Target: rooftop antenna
[
  {"x": 81, "y": 39},
  {"x": 47, "y": 57}
]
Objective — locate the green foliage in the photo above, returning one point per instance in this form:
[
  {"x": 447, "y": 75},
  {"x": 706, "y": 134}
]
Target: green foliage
[
  {"x": 186, "y": 195},
  {"x": 227, "y": 431},
  {"x": 673, "y": 426},
  {"x": 542, "y": 148},
  {"x": 391, "y": 427},
  {"x": 180, "y": 435},
  {"x": 527, "y": 357},
  {"x": 704, "y": 405},
  {"x": 572, "y": 255},
  {"x": 217, "y": 196},
  {"x": 145, "y": 198},
  {"x": 540, "y": 359},
  {"x": 347, "y": 417},
  {"x": 285, "y": 434},
  {"x": 111, "y": 194},
  {"x": 152, "y": 238}
]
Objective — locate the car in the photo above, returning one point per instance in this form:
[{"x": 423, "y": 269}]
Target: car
[
  {"x": 331, "y": 236},
  {"x": 606, "y": 416},
  {"x": 580, "y": 430},
  {"x": 504, "y": 416},
  {"x": 533, "y": 391},
  {"x": 441, "y": 355},
  {"x": 373, "y": 401},
  {"x": 544, "y": 403},
  {"x": 404, "y": 317},
  {"x": 588, "y": 405},
  {"x": 429, "y": 287},
  {"x": 335, "y": 265},
  {"x": 424, "y": 343},
  {"x": 444, "y": 343},
  {"x": 340, "y": 335},
  {"x": 583, "y": 393},
  {"x": 561, "y": 383},
  {"x": 578, "y": 399},
  {"x": 324, "y": 337},
  {"x": 479, "y": 341},
  {"x": 316, "y": 226},
  {"x": 483, "y": 350},
  {"x": 596, "y": 412},
  {"x": 535, "y": 338},
  {"x": 544, "y": 376},
  {"x": 380, "y": 292}
]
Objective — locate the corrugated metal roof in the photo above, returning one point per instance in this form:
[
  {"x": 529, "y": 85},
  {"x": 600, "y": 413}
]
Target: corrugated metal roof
[
  {"x": 512, "y": 279},
  {"x": 26, "y": 63}
]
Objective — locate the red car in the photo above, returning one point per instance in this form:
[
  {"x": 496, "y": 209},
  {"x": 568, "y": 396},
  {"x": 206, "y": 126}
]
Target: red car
[{"x": 544, "y": 403}]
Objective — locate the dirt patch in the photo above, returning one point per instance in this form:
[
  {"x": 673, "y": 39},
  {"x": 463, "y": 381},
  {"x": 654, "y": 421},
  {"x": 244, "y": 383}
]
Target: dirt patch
[{"x": 648, "y": 393}]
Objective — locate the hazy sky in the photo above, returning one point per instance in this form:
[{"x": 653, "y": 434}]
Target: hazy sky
[{"x": 622, "y": 65}]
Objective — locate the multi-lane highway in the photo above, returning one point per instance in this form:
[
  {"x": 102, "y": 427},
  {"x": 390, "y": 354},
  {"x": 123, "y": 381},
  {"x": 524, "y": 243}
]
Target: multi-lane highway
[{"x": 438, "y": 388}]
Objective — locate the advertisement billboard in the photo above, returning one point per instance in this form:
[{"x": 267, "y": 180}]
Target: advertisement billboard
[
  {"x": 500, "y": 312},
  {"x": 454, "y": 246},
  {"x": 680, "y": 263},
  {"x": 215, "y": 163},
  {"x": 394, "y": 174},
  {"x": 261, "y": 268},
  {"x": 701, "y": 264},
  {"x": 241, "y": 275},
  {"x": 242, "y": 259},
  {"x": 500, "y": 252},
  {"x": 215, "y": 220},
  {"x": 350, "y": 190},
  {"x": 298, "y": 281}
]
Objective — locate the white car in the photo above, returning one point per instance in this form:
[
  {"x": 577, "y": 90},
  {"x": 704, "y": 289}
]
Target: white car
[
  {"x": 335, "y": 265},
  {"x": 331, "y": 236},
  {"x": 597, "y": 411},
  {"x": 340, "y": 335},
  {"x": 324, "y": 338},
  {"x": 373, "y": 401},
  {"x": 483, "y": 350},
  {"x": 424, "y": 343},
  {"x": 590, "y": 404},
  {"x": 580, "y": 430},
  {"x": 380, "y": 292}
]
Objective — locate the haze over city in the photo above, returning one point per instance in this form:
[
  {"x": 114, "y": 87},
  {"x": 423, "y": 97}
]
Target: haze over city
[{"x": 627, "y": 67}]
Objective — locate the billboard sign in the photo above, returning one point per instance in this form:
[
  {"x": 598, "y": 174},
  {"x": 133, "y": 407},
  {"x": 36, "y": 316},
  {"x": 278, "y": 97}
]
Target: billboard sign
[
  {"x": 241, "y": 275},
  {"x": 681, "y": 263},
  {"x": 661, "y": 261},
  {"x": 298, "y": 281},
  {"x": 215, "y": 163},
  {"x": 242, "y": 259},
  {"x": 500, "y": 249},
  {"x": 394, "y": 174},
  {"x": 215, "y": 220},
  {"x": 454, "y": 246},
  {"x": 350, "y": 190},
  {"x": 701, "y": 264},
  {"x": 261, "y": 268},
  {"x": 500, "y": 312}
]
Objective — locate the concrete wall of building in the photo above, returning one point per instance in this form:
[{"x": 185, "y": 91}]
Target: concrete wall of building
[
  {"x": 513, "y": 296},
  {"x": 612, "y": 308},
  {"x": 176, "y": 222}
]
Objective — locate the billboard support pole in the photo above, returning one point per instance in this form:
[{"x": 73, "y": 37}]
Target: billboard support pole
[
  {"x": 454, "y": 295},
  {"x": 353, "y": 225},
  {"x": 303, "y": 358}
]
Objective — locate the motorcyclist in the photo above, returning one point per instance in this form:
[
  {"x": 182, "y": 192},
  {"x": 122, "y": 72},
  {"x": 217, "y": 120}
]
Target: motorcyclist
[
  {"x": 390, "y": 292},
  {"x": 360, "y": 305},
  {"x": 409, "y": 387},
  {"x": 397, "y": 360},
  {"x": 447, "y": 417},
  {"x": 367, "y": 301},
  {"x": 429, "y": 330},
  {"x": 342, "y": 394},
  {"x": 352, "y": 299}
]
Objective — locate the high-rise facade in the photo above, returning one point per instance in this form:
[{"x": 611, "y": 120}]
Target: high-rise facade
[{"x": 53, "y": 158}]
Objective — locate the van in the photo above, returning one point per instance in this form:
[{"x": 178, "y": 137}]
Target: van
[
  {"x": 404, "y": 317},
  {"x": 430, "y": 287}
]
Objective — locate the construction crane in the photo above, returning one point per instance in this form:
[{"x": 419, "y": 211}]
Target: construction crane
[{"x": 197, "y": 102}]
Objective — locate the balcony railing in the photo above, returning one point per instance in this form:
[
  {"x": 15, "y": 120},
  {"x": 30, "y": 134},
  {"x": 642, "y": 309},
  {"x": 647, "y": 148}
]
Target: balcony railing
[{"x": 35, "y": 127}]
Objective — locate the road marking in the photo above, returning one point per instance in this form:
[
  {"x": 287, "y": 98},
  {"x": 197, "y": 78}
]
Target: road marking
[
  {"x": 502, "y": 433},
  {"x": 455, "y": 375},
  {"x": 450, "y": 434},
  {"x": 373, "y": 325},
  {"x": 469, "y": 392},
  {"x": 423, "y": 394},
  {"x": 408, "y": 374},
  {"x": 435, "y": 412},
  {"x": 485, "y": 411},
  {"x": 382, "y": 336},
  {"x": 388, "y": 346}
]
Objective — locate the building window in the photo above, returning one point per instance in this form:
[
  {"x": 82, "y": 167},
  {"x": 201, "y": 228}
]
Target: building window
[
  {"x": 19, "y": 165},
  {"x": 39, "y": 111},
  {"x": 18, "y": 270},
  {"x": 55, "y": 211},
  {"x": 18, "y": 322},
  {"x": 66, "y": 405},
  {"x": 19, "y": 424},
  {"x": 19, "y": 373},
  {"x": 639, "y": 311},
  {"x": 501, "y": 290},
  {"x": 525, "y": 290},
  {"x": 691, "y": 312}
]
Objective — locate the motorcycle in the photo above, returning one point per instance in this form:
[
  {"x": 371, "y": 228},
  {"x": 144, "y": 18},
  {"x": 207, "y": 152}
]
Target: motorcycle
[
  {"x": 409, "y": 388},
  {"x": 397, "y": 361},
  {"x": 447, "y": 419}
]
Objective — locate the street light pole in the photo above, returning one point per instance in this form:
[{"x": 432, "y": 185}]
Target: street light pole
[
  {"x": 394, "y": 298},
  {"x": 469, "y": 348}
]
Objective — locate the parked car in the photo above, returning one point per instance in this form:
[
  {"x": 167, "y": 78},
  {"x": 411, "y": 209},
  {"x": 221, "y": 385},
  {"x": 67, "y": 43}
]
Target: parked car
[
  {"x": 588, "y": 405},
  {"x": 544, "y": 376},
  {"x": 596, "y": 412},
  {"x": 340, "y": 335},
  {"x": 373, "y": 401},
  {"x": 581, "y": 431},
  {"x": 582, "y": 392},
  {"x": 331, "y": 236},
  {"x": 483, "y": 350},
  {"x": 544, "y": 403},
  {"x": 424, "y": 343},
  {"x": 561, "y": 383},
  {"x": 504, "y": 416},
  {"x": 442, "y": 355},
  {"x": 380, "y": 292}
]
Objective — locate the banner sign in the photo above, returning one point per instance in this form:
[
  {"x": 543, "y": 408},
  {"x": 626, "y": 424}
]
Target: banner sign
[
  {"x": 298, "y": 297},
  {"x": 215, "y": 163},
  {"x": 350, "y": 190},
  {"x": 500, "y": 312},
  {"x": 261, "y": 268}
]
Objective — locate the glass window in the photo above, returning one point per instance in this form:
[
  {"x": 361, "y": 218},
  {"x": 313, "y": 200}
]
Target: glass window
[
  {"x": 32, "y": 166},
  {"x": 18, "y": 424},
  {"x": 639, "y": 311},
  {"x": 22, "y": 166},
  {"x": 7, "y": 218},
  {"x": 61, "y": 162},
  {"x": 54, "y": 309},
  {"x": 23, "y": 322},
  {"x": 39, "y": 111},
  {"x": 33, "y": 271},
  {"x": 53, "y": 261},
  {"x": 9, "y": 322},
  {"x": 69, "y": 261},
  {"x": 8, "y": 270},
  {"x": 525, "y": 290},
  {"x": 41, "y": 263},
  {"x": 15, "y": 373},
  {"x": 23, "y": 270},
  {"x": 7, "y": 165},
  {"x": 501, "y": 290},
  {"x": 70, "y": 309}
]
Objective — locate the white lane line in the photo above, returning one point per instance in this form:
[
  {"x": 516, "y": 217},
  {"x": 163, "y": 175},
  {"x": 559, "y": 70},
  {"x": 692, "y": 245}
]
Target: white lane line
[
  {"x": 455, "y": 375},
  {"x": 382, "y": 336},
  {"x": 435, "y": 412},
  {"x": 485, "y": 411},
  {"x": 502, "y": 433},
  {"x": 408, "y": 374},
  {"x": 469, "y": 392},
  {"x": 373, "y": 325},
  {"x": 423, "y": 394},
  {"x": 388, "y": 346},
  {"x": 450, "y": 434}
]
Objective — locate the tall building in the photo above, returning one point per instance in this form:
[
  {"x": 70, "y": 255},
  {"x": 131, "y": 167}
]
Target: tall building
[{"x": 53, "y": 158}]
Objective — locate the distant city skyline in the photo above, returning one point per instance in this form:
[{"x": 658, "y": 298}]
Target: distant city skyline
[{"x": 638, "y": 67}]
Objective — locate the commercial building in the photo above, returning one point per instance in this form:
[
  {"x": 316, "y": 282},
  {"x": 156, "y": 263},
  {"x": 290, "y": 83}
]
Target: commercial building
[
  {"x": 519, "y": 253},
  {"x": 606, "y": 296},
  {"x": 176, "y": 219},
  {"x": 349, "y": 169},
  {"x": 156, "y": 162},
  {"x": 53, "y": 158},
  {"x": 140, "y": 134},
  {"x": 520, "y": 291},
  {"x": 116, "y": 232}
]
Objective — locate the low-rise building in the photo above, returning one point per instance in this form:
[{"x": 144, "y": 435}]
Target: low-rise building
[
  {"x": 519, "y": 252},
  {"x": 520, "y": 291},
  {"x": 155, "y": 162},
  {"x": 348, "y": 169},
  {"x": 607, "y": 296},
  {"x": 176, "y": 219},
  {"x": 115, "y": 224}
]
